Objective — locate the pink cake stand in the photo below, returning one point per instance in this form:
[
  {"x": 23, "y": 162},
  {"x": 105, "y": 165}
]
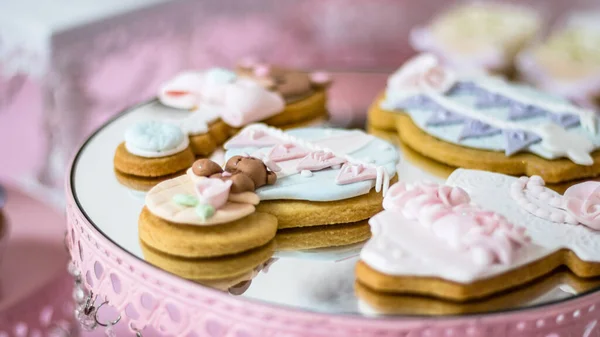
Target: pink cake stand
[
  {"x": 111, "y": 271},
  {"x": 35, "y": 288}
]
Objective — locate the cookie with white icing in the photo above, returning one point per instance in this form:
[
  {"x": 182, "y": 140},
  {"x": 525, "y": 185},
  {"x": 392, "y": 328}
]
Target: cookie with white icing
[
  {"x": 324, "y": 176},
  {"x": 481, "y": 36},
  {"x": 483, "y": 122},
  {"x": 152, "y": 151},
  {"x": 200, "y": 216},
  {"x": 568, "y": 61},
  {"x": 220, "y": 100},
  {"x": 479, "y": 234}
]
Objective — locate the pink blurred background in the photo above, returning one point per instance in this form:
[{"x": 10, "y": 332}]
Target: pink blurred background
[
  {"x": 93, "y": 69},
  {"x": 69, "y": 66}
]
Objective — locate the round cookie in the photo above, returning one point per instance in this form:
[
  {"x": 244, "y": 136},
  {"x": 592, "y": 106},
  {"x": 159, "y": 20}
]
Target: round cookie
[
  {"x": 153, "y": 151},
  {"x": 252, "y": 231},
  {"x": 210, "y": 270},
  {"x": 208, "y": 212},
  {"x": 143, "y": 183},
  {"x": 322, "y": 236},
  {"x": 128, "y": 163}
]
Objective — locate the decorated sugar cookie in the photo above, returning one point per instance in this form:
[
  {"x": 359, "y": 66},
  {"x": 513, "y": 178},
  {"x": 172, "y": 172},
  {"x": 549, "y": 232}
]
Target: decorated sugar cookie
[
  {"x": 479, "y": 234},
  {"x": 208, "y": 211},
  {"x": 486, "y": 123},
  {"x": 478, "y": 36},
  {"x": 324, "y": 176},
  {"x": 568, "y": 61},
  {"x": 152, "y": 151},
  {"x": 220, "y": 100}
]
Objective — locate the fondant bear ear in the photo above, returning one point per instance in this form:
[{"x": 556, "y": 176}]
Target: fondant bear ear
[
  {"x": 271, "y": 177},
  {"x": 205, "y": 167},
  {"x": 320, "y": 79}
]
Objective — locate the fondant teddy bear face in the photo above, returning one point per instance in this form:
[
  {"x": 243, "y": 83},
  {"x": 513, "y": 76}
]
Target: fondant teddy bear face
[{"x": 246, "y": 173}]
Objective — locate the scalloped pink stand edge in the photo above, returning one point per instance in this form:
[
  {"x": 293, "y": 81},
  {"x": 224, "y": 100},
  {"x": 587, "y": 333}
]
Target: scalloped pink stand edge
[{"x": 175, "y": 307}]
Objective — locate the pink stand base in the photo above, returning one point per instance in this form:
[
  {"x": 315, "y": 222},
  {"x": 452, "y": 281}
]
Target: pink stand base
[{"x": 146, "y": 297}]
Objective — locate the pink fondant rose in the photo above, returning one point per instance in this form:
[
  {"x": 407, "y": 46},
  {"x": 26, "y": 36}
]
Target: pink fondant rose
[
  {"x": 582, "y": 201},
  {"x": 488, "y": 237},
  {"x": 422, "y": 73},
  {"x": 213, "y": 191},
  {"x": 402, "y": 193}
]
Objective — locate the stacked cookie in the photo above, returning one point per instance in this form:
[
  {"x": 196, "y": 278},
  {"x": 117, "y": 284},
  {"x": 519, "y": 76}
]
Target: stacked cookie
[
  {"x": 483, "y": 122},
  {"x": 479, "y": 234},
  {"x": 204, "y": 226},
  {"x": 211, "y": 105},
  {"x": 329, "y": 181},
  {"x": 283, "y": 190}
]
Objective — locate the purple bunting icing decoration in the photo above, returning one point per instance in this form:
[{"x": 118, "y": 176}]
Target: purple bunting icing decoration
[
  {"x": 441, "y": 117},
  {"x": 523, "y": 111},
  {"x": 491, "y": 100},
  {"x": 517, "y": 140},
  {"x": 418, "y": 102},
  {"x": 474, "y": 129},
  {"x": 463, "y": 88},
  {"x": 565, "y": 120}
]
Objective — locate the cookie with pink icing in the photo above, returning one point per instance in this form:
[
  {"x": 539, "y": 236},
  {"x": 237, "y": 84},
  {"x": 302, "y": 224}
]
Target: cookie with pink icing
[
  {"x": 479, "y": 234},
  {"x": 217, "y": 213},
  {"x": 478, "y": 36},
  {"x": 260, "y": 93},
  {"x": 567, "y": 62}
]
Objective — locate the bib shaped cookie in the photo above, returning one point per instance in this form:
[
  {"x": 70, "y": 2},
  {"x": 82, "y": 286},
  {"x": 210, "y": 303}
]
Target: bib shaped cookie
[
  {"x": 324, "y": 176},
  {"x": 482, "y": 122}
]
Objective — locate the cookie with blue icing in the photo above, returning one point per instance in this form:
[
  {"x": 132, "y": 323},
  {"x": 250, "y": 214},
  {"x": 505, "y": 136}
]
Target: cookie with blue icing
[
  {"x": 486, "y": 123},
  {"x": 324, "y": 176},
  {"x": 152, "y": 152}
]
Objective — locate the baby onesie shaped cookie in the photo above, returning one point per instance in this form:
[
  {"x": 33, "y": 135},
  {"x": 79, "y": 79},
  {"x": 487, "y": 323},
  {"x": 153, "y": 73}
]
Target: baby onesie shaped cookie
[
  {"x": 479, "y": 234},
  {"x": 480, "y": 36},
  {"x": 152, "y": 152},
  {"x": 324, "y": 176},
  {"x": 568, "y": 61},
  {"x": 197, "y": 216},
  {"x": 483, "y": 122}
]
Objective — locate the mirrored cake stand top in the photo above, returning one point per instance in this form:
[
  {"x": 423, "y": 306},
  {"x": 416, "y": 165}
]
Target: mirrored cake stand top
[{"x": 312, "y": 281}]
